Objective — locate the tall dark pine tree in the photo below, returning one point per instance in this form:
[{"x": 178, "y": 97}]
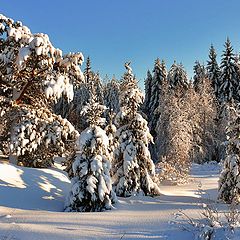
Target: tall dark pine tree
[
  {"x": 155, "y": 88},
  {"x": 148, "y": 87},
  {"x": 160, "y": 76},
  {"x": 229, "y": 83},
  {"x": 213, "y": 71},
  {"x": 177, "y": 77},
  {"x": 237, "y": 67},
  {"x": 199, "y": 75},
  {"x": 88, "y": 70}
]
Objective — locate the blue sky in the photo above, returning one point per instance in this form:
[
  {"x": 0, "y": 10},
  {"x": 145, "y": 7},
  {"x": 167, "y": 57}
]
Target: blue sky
[{"x": 112, "y": 31}]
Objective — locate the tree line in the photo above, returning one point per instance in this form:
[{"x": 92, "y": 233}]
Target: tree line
[{"x": 112, "y": 138}]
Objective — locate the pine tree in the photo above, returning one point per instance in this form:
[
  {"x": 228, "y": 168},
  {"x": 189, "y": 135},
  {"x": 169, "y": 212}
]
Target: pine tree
[
  {"x": 34, "y": 75},
  {"x": 237, "y": 67},
  {"x": 88, "y": 71},
  {"x": 229, "y": 84},
  {"x": 98, "y": 88},
  {"x": 160, "y": 75},
  {"x": 229, "y": 190},
  {"x": 91, "y": 188},
  {"x": 133, "y": 168},
  {"x": 177, "y": 77},
  {"x": 199, "y": 75},
  {"x": 214, "y": 72},
  {"x": 148, "y": 87}
]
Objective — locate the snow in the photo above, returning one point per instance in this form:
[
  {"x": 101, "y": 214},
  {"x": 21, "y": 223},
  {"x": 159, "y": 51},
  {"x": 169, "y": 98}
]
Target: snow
[
  {"x": 31, "y": 206},
  {"x": 23, "y": 55}
]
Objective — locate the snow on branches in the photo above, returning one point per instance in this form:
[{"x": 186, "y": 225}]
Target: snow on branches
[
  {"x": 37, "y": 131},
  {"x": 91, "y": 183},
  {"x": 34, "y": 75},
  {"x": 133, "y": 168},
  {"x": 229, "y": 181}
]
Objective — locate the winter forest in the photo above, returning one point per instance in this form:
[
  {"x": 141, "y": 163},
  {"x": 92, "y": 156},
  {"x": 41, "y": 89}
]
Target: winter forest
[{"x": 115, "y": 147}]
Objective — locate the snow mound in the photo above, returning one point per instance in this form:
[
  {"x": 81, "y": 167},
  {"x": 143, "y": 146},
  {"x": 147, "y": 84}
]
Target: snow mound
[{"x": 32, "y": 189}]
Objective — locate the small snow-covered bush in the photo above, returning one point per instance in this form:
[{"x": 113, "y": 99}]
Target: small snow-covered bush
[{"x": 213, "y": 224}]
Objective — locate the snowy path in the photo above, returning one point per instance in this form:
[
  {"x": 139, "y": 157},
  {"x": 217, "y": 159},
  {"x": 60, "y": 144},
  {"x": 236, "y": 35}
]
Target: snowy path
[{"x": 30, "y": 199}]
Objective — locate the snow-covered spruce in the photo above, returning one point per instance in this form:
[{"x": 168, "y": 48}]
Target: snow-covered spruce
[
  {"x": 133, "y": 167},
  {"x": 214, "y": 71},
  {"x": 199, "y": 75},
  {"x": 91, "y": 188},
  {"x": 228, "y": 89},
  {"x": 229, "y": 181},
  {"x": 177, "y": 76}
]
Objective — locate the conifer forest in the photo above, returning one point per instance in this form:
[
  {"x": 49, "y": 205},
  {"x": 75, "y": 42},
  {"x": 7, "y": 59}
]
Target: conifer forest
[{"x": 88, "y": 156}]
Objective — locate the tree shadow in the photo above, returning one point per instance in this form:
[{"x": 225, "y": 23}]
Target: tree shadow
[{"x": 41, "y": 190}]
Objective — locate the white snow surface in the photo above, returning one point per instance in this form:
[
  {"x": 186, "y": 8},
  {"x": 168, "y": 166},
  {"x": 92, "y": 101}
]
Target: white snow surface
[{"x": 32, "y": 200}]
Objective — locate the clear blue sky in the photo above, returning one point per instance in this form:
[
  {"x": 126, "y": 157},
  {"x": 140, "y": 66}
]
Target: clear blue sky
[{"x": 112, "y": 31}]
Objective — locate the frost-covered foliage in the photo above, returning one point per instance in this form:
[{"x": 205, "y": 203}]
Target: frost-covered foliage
[
  {"x": 229, "y": 181},
  {"x": 214, "y": 72},
  {"x": 133, "y": 168},
  {"x": 174, "y": 142},
  {"x": 91, "y": 188},
  {"x": 38, "y": 135},
  {"x": 206, "y": 137},
  {"x": 33, "y": 73},
  {"x": 229, "y": 79},
  {"x": 213, "y": 224},
  {"x": 177, "y": 76}
]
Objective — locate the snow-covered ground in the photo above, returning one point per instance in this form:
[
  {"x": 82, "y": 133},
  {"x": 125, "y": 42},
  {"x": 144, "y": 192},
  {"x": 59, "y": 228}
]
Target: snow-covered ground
[{"x": 31, "y": 204}]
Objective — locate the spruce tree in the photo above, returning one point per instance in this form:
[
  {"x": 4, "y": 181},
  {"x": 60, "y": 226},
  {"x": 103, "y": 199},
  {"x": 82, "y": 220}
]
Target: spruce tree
[
  {"x": 199, "y": 75},
  {"x": 91, "y": 188},
  {"x": 133, "y": 168},
  {"x": 214, "y": 73},
  {"x": 88, "y": 70},
  {"x": 160, "y": 76},
  {"x": 148, "y": 87},
  {"x": 229, "y": 83},
  {"x": 177, "y": 77},
  {"x": 229, "y": 181}
]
